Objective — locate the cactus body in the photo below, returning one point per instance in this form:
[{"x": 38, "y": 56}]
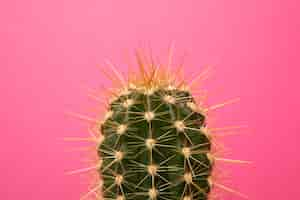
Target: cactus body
[
  {"x": 155, "y": 146},
  {"x": 153, "y": 142}
]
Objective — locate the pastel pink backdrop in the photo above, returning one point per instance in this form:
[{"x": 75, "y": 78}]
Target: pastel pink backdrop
[{"x": 50, "y": 49}]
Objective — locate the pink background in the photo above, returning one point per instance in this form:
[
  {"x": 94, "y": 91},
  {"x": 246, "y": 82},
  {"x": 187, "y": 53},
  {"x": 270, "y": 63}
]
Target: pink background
[{"x": 50, "y": 49}]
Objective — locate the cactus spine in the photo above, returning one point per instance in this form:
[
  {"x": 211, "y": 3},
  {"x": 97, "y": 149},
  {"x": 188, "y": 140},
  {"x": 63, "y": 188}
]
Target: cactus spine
[{"x": 155, "y": 143}]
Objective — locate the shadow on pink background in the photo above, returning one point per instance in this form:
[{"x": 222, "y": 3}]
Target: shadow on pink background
[{"x": 50, "y": 49}]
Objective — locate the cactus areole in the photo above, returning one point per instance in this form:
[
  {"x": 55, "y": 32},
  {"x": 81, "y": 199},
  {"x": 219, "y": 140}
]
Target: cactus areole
[{"x": 154, "y": 143}]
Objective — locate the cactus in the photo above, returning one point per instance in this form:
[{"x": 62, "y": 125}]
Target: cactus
[{"x": 155, "y": 143}]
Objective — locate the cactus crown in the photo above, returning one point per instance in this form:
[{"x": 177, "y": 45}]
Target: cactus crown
[{"x": 155, "y": 144}]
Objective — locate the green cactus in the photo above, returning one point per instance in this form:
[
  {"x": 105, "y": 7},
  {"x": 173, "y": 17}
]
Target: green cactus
[
  {"x": 155, "y": 146},
  {"x": 153, "y": 142}
]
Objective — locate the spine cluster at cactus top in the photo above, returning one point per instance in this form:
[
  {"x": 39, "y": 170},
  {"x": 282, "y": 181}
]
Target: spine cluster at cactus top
[{"x": 155, "y": 146}]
